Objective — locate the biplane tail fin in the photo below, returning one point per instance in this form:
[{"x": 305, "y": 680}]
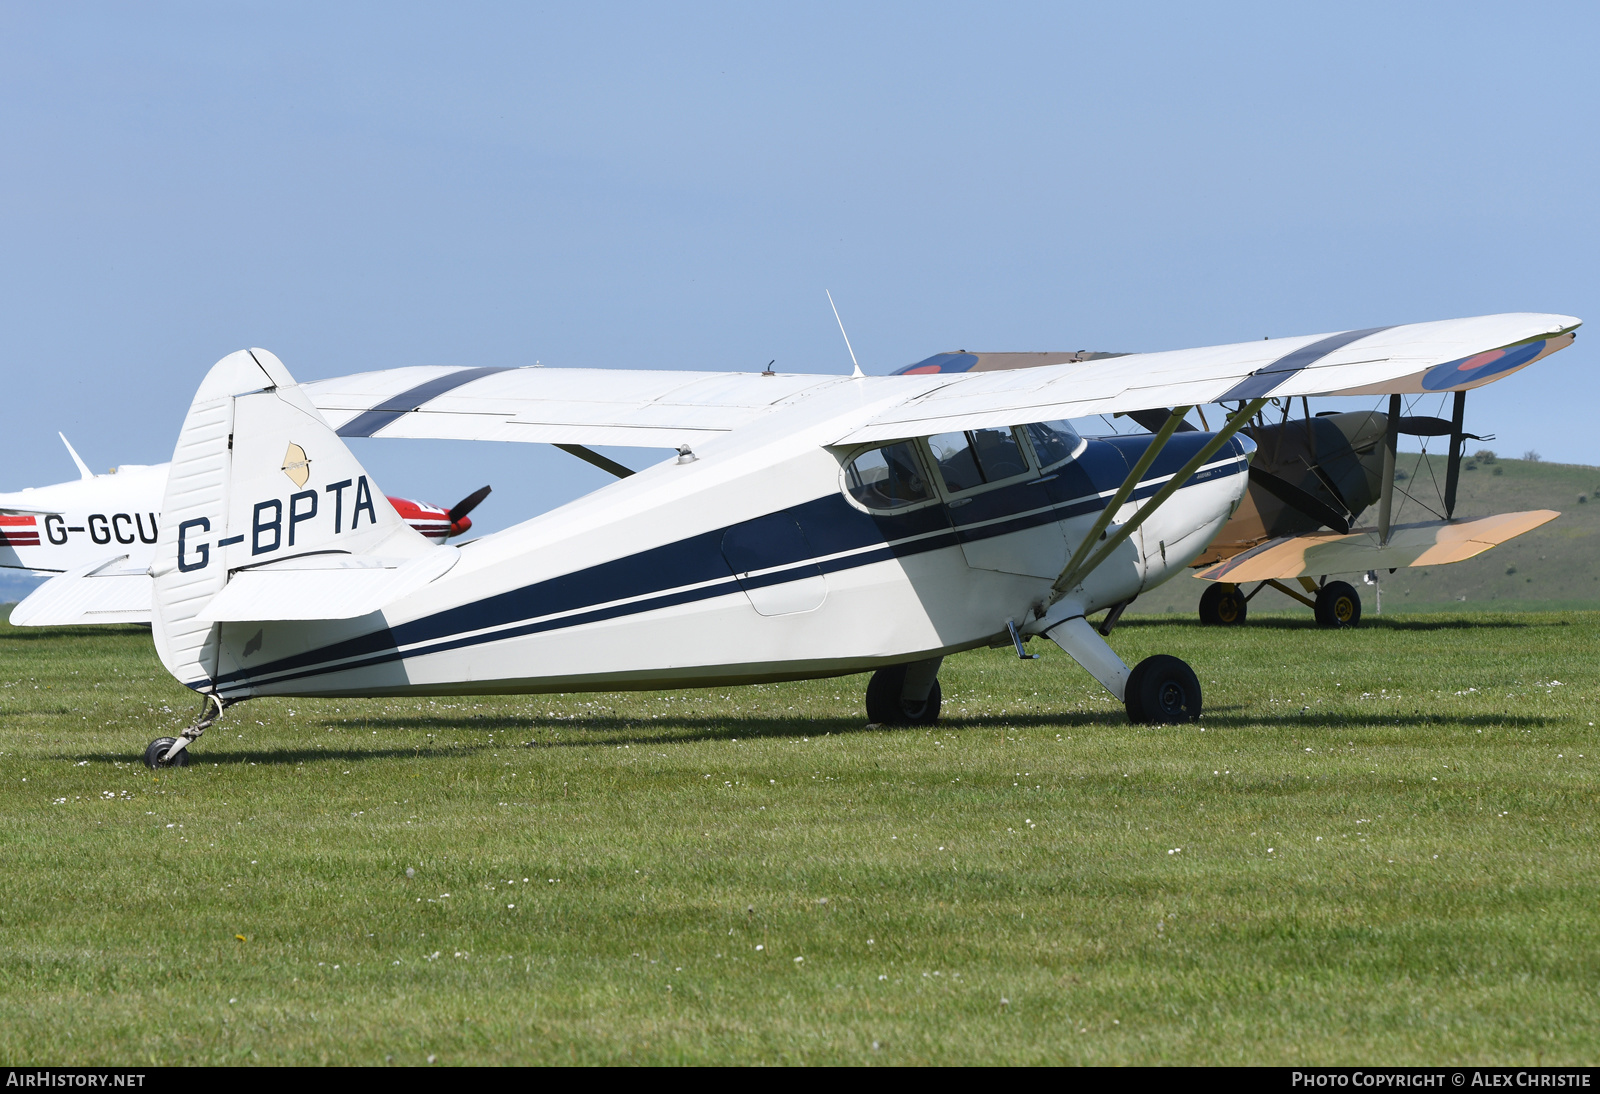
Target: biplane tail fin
[{"x": 269, "y": 516}]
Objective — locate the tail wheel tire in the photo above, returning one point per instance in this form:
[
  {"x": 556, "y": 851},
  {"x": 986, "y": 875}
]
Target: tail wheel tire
[
  {"x": 1338, "y": 605},
  {"x": 153, "y": 756},
  {"x": 1162, "y": 690},
  {"x": 1223, "y": 605},
  {"x": 885, "y": 707}
]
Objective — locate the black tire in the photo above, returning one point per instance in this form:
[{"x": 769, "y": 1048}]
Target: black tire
[
  {"x": 1338, "y": 605},
  {"x": 885, "y": 707},
  {"x": 1223, "y": 605},
  {"x": 1162, "y": 690},
  {"x": 158, "y": 748}
]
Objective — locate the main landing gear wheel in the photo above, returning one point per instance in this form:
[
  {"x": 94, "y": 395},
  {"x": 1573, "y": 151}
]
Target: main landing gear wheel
[
  {"x": 1223, "y": 605},
  {"x": 154, "y": 756},
  {"x": 1162, "y": 690},
  {"x": 1338, "y": 605},
  {"x": 885, "y": 707}
]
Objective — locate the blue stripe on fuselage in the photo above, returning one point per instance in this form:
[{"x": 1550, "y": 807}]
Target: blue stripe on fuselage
[{"x": 694, "y": 569}]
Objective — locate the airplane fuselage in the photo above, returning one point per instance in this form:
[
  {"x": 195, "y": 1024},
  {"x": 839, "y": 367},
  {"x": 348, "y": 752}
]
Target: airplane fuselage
[
  {"x": 750, "y": 561},
  {"x": 51, "y": 529}
]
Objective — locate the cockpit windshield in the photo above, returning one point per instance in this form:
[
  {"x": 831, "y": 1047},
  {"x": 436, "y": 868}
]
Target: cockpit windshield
[{"x": 1053, "y": 442}]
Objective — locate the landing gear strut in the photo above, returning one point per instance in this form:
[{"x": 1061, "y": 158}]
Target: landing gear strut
[
  {"x": 174, "y": 751},
  {"x": 905, "y": 695},
  {"x": 1158, "y": 690},
  {"x": 1335, "y": 603}
]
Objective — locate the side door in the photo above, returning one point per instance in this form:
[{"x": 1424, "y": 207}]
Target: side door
[
  {"x": 1002, "y": 511},
  {"x": 773, "y": 562}
]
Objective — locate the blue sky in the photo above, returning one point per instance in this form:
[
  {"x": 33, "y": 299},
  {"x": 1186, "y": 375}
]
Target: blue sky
[{"x": 364, "y": 186}]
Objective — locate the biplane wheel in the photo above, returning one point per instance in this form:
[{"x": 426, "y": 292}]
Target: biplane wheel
[
  {"x": 158, "y": 748},
  {"x": 885, "y": 707},
  {"x": 1162, "y": 690},
  {"x": 1223, "y": 605},
  {"x": 1338, "y": 605}
]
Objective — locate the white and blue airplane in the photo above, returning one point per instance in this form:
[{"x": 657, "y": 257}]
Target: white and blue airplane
[{"x": 809, "y": 526}]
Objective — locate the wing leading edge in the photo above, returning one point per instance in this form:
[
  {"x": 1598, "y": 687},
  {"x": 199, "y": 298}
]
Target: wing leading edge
[
  {"x": 629, "y": 407},
  {"x": 660, "y": 409},
  {"x": 1450, "y": 355}
]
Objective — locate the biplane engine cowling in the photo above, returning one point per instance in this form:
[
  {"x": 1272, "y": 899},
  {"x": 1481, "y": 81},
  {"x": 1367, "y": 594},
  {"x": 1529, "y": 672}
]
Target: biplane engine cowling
[{"x": 1305, "y": 472}]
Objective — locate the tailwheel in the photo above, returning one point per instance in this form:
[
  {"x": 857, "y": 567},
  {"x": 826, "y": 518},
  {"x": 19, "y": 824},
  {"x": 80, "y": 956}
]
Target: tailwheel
[
  {"x": 886, "y": 706},
  {"x": 1162, "y": 690},
  {"x": 1338, "y": 605},
  {"x": 155, "y": 755},
  {"x": 1223, "y": 605}
]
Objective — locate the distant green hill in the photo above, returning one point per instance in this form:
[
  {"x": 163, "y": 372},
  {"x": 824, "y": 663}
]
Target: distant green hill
[{"x": 1556, "y": 566}]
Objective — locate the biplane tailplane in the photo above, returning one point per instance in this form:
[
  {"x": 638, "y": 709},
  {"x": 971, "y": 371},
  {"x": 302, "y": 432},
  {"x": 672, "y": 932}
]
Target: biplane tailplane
[{"x": 269, "y": 516}]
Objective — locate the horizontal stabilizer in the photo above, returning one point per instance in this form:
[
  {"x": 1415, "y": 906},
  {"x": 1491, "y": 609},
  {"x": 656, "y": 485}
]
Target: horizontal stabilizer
[
  {"x": 324, "y": 586},
  {"x": 1429, "y": 543},
  {"x": 106, "y": 591}
]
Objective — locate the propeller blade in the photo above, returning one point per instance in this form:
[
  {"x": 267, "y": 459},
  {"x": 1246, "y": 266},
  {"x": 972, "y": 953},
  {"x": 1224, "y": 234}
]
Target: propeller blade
[
  {"x": 1291, "y": 495},
  {"x": 468, "y": 504}
]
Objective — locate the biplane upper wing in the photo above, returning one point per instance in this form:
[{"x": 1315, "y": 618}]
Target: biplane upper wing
[
  {"x": 666, "y": 409},
  {"x": 1427, "y": 543}
]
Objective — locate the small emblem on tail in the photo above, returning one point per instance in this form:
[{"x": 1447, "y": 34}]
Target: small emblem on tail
[{"x": 296, "y": 465}]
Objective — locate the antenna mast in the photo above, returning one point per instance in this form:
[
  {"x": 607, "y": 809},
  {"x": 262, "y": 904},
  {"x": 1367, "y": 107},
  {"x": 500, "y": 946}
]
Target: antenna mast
[{"x": 847, "y": 345}]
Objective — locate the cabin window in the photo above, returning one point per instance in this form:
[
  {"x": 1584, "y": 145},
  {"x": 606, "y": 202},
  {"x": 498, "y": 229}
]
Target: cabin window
[
  {"x": 976, "y": 457},
  {"x": 1053, "y": 442},
  {"x": 890, "y": 477}
]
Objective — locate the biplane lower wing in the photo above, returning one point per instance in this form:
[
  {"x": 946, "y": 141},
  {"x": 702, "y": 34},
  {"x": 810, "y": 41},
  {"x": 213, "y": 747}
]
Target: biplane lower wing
[{"x": 1428, "y": 543}]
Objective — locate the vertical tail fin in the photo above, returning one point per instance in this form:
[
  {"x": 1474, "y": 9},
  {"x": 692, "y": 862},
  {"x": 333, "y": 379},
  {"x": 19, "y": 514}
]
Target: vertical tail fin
[{"x": 257, "y": 477}]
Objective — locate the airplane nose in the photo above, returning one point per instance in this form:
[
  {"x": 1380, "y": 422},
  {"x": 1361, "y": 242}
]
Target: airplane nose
[{"x": 1247, "y": 447}]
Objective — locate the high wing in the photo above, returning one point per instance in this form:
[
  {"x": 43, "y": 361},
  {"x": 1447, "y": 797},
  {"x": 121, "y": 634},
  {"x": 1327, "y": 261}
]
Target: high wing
[
  {"x": 667, "y": 409},
  {"x": 1451, "y": 355},
  {"x": 628, "y": 407}
]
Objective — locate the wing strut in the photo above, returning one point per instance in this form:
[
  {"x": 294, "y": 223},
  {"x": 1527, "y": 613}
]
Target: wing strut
[
  {"x": 1391, "y": 441},
  {"x": 589, "y": 455},
  {"x": 1458, "y": 442},
  {"x": 1076, "y": 568},
  {"x": 1157, "y": 443}
]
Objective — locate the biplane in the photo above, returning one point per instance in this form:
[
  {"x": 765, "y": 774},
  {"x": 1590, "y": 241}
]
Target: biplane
[
  {"x": 807, "y": 526},
  {"x": 96, "y": 537},
  {"x": 1311, "y": 481}
]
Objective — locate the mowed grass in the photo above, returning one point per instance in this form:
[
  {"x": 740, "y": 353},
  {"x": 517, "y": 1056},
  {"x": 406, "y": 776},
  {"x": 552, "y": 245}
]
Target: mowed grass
[{"x": 1378, "y": 846}]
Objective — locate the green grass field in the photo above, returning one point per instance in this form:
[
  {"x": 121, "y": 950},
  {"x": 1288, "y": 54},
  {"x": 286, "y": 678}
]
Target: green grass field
[{"x": 1379, "y": 846}]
